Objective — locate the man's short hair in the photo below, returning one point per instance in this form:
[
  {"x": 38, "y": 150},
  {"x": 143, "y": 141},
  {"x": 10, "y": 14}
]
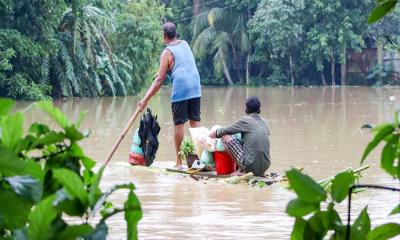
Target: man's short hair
[
  {"x": 253, "y": 105},
  {"x": 169, "y": 29}
]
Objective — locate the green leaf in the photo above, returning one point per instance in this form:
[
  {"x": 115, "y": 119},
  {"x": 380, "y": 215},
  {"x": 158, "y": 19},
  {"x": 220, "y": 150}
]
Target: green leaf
[
  {"x": 72, "y": 184},
  {"x": 361, "y": 226},
  {"x": 99, "y": 233},
  {"x": 38, "y": 129},
  {"x": 94, "y": 191},
  {"x": 75, "y": 231},
  {"x": 40, "y": 220},
  {"x": 72, "y": 133},
  {"x": 341, "y": 184},
  {"x": 82, "y": 115},
  {"x": 305, "y": 187},
  {"x": 133, "y": 214},
  {"x": 383, "y": 132},
  {"x": 105, "y": 195},
  {"x": 88, "y": 162},
  {"x": 388, "y": 155},
  {"x": 54, "y": 113},
  {"x": 48, "y": 139},
  {"x": 68, "y": 205},
  {"x": 298, "y": 229},
  {"x": 12, "y": 130},
  {"x": 330, "y": 218},
  {"x": 397, "y": 119},
  {"x": 298, "y": 208},
  {"x": 5, "y": 106},
  {"x": 396, "y": 210},
  {"x": 385, "y": 231},
  {"x": 381, "y": 10},
  {"x": 11, "y": 165},
  {"x": 15, "y": 213},
  {"x": 27, "y": 187}
]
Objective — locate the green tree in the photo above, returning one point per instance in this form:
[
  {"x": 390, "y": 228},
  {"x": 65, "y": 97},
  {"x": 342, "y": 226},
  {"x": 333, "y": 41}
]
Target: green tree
[
  {"x": 279, "y": 24},
  {"x": 226, "y": 36}
]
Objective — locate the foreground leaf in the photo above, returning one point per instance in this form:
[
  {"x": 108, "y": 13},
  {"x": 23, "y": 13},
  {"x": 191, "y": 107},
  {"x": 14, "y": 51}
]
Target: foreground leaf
[
  {"x": 75, "y": 231},
  {"x": 12, "y": 130},
  {"x": 381, "y": 10},
  {"x": 341, "y": 184},
  {"x": 380, "y": 135},
  {"x": 99, "y": 233},
  {"x": 11, "y": 165},
  {"x": 396, "y": 210},
  {"x": 72, "y": 184},
  {"x": 40, "y": 220},
  {"x": 385, "y": 231},
  {"x": 361, "y": 226},
  {"x": 14, "y": 210},
  {"x": 5, "y": 106},
  {"x": 27, "y": 187},
  {"x": 305, "y": 187},
  {"x": 105, "y": 195},
  {"x": 298, "y": 208},
  {"x": 133, "y": 214},
  {"x": 388, "y": 156},
  {"x": 54, "y": 113},
  {"x": 298, "y": 229}
]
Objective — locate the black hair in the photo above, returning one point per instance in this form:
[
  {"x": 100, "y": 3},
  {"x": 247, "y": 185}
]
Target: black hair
[
  {"x": 253, "y": 105},
  {"x": 169, "y": 29}
]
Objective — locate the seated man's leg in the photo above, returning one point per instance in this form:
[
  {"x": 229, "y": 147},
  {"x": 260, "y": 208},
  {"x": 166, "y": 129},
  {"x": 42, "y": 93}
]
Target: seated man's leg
[{"x": 235, "y": 150}]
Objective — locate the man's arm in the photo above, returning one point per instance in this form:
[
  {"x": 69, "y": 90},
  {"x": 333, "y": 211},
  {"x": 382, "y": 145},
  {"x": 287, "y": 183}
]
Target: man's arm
[
  {"x": 240, "y": 126},
  {"x": 158, "y": 81}
]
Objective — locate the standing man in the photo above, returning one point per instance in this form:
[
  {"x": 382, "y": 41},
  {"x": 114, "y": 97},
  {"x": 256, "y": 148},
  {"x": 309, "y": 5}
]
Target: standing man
[{"x": 177, "y": 60}]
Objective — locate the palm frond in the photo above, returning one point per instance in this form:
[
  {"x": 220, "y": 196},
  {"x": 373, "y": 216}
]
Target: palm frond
[
  {"x": 215, "y": 15},
  {"x": 45, "y": 70},
  {"x": 199, "y": 23},
  {"x": 69, "y": 68},
  {"x": 202, "y": 42}
]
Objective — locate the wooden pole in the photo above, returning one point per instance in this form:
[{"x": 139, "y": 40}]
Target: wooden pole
[{"x": 121, "y": 136}]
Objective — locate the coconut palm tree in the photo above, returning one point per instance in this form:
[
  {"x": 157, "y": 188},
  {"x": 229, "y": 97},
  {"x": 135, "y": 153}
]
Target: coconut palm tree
[
  {"x": 85, "y": 64},
  {"x": 223, "y": 35}
]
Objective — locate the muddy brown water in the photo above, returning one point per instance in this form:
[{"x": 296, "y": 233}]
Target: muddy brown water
[{"x": 314, "y": 128}]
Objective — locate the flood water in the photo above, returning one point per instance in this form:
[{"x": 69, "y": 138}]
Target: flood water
[{"x": 314, "y": 128}]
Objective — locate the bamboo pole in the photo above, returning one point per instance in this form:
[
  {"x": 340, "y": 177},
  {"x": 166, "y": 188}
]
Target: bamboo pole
[{"x": 121, "y": 136}]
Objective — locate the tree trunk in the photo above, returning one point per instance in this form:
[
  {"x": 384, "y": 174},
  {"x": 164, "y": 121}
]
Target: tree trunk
[
  {"x": 343, "y": 68},
  {"x": 235, "y": 60},
  {"x": 226, "y": 69},
  {"x": 291, "y": 69},
  {"x": 333, "y": 68},
  {"x": 323, "y": 78},
  {"x": 248, "y": 69},
  {"x": 196, "y": 7}
]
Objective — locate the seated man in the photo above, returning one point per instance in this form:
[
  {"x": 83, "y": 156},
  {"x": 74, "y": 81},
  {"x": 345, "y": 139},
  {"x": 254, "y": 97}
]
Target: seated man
[{"x": 253, "y": 156}]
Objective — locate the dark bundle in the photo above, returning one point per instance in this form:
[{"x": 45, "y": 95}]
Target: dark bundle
[{"x": 148, "y": 133}]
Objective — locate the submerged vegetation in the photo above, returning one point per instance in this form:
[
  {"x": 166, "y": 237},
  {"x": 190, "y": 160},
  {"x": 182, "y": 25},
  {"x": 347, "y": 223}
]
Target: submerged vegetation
[{"x": 45, "y": 179}]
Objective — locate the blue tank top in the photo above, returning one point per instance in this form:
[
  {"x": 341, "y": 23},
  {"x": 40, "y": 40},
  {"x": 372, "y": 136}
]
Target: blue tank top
[{"x": 185, "y": 76}]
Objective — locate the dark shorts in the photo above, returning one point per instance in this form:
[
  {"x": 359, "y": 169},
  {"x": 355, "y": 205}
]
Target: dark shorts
[
  {"x": 184, "y": 110},
  {"x": 236, "y": 148}
]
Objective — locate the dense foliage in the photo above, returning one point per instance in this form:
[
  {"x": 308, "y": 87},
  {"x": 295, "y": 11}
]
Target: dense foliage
[
  {"x": 316, "y": 222},
  {"x": 46, "y": 181},
  {"x": 276, "y": 42},
  {"x": 70, "y": 48}
]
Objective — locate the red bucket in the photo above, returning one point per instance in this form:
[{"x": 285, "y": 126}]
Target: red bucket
[{"x": 224, "y": 163}]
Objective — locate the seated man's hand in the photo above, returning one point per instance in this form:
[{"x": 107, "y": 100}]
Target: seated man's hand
[{"x": 213, "y": 134}]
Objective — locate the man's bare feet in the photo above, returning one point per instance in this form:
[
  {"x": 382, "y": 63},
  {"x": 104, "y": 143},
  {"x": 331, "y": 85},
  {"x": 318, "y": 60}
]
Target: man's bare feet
[{"x": 179, "y": 166}]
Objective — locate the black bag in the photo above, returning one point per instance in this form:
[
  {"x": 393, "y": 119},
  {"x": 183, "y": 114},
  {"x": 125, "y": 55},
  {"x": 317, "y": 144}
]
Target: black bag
[{"x": 148, "y": 133}]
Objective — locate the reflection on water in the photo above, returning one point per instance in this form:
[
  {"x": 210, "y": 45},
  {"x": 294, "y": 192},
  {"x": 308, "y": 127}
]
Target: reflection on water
[{"x": 316, "y": 128}]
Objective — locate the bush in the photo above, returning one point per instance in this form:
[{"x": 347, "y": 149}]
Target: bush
[{"x": 45, "y": 177}]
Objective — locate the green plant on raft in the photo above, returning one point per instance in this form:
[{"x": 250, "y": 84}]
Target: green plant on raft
[
  {"x": 45, "y": 179},
  {"x": 187, "y": 148}
]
